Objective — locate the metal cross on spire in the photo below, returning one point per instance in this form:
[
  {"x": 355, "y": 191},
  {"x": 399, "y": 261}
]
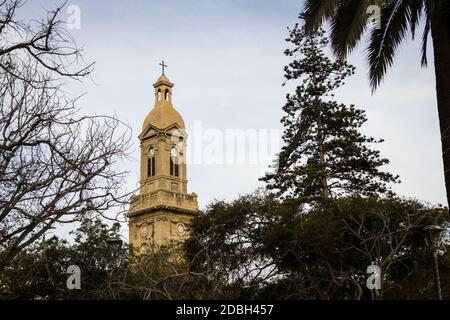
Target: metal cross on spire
[{"x": 163, "y": 66}]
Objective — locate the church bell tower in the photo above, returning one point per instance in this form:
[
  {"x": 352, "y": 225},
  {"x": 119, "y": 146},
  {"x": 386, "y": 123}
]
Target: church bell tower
[{"x": 163, "y": 209}]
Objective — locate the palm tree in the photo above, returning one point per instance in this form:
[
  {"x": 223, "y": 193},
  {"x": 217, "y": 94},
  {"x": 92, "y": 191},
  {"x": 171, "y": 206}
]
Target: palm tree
[{"x": 349, "y": 21}]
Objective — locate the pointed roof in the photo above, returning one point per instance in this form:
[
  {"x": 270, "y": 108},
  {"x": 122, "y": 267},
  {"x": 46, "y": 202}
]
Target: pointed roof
[
  {"x": 163, "y": 113},
  {"x": 163, "y": 80}
]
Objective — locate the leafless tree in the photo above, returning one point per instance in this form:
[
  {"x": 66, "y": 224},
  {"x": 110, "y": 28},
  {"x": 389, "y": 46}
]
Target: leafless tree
[
  {"x": 388, "y": 244},
  {"x": 163, "y": 273},
  {"x": 45, "y": 41},
  {"x": 55, "y": 165}
]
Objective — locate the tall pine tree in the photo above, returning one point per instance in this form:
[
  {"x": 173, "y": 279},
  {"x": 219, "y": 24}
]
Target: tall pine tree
[{"x": 324, "y": 154}]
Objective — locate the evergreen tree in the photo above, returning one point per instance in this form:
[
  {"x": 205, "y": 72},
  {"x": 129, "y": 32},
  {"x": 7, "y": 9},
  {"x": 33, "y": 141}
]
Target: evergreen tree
[{"x": 325, "y": 155}]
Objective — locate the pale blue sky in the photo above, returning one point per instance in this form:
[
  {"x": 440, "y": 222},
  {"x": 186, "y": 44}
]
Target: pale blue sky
[{"x": 226, "y": 60}]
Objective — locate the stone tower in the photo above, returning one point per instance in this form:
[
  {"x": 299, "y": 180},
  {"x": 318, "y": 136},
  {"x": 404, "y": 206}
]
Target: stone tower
[{"x": 163, "y": 209}]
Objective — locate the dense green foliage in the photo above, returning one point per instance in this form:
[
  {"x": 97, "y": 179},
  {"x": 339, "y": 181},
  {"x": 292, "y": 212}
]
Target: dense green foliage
[
  {"x": 274, "y": 249},
  {"x": 255, "y": 247},
  {"x": 109, "y": 270},
  {"x": 39, "y": 272}
]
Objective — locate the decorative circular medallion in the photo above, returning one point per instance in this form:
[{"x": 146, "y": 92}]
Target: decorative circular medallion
[{"x": 181, "y": 228}]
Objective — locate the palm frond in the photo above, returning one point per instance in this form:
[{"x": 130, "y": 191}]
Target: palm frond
[
  {"x": 384, "y": 42},
  {"x": 416, "y": 8},
  {"x": 348, "y": 25},
  {"x": 317, "y": 11},
  {"x": 426, "y": 32},
  {"x": 429, "y": 7}
]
